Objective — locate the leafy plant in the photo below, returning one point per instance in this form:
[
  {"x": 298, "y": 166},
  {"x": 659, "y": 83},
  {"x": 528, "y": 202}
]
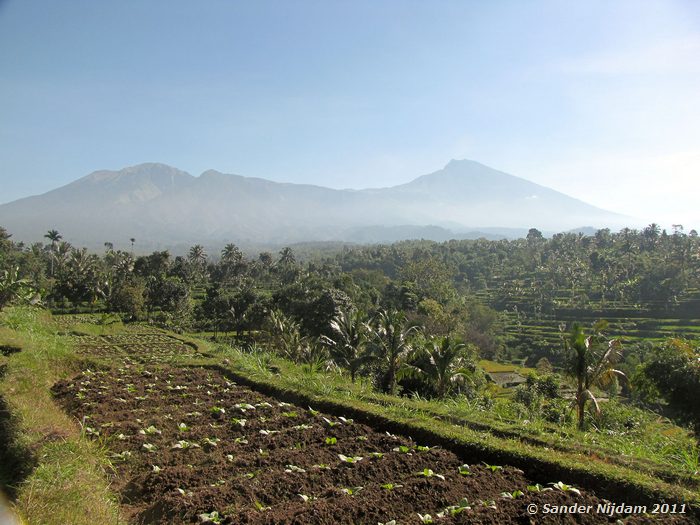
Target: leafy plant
[
  {"x": 565, "y": 488},
  {"x": 453, "y": 510},
  {"x": 351, "y": 491},
  {"x": 428, "y": 473},
  {"x": 512, "y": 495},
  {"x": 425, "y": 518},
  {"x": 391, "y": 486},
  {"x": 492, "y": 468},
  {"x": 331, "y": 440},
  {"x": 464, "y": 470},
  {"x": 294, "y": 468},
  {"x": 210, "y": 517},
  {"x": 350, "y": 459}
]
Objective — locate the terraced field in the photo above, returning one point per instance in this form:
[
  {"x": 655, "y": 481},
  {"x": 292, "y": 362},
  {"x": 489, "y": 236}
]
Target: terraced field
[{"x": 190, "y": 445}]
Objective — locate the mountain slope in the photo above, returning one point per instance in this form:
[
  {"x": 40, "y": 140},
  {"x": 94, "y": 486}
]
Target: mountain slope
[{"x": 159, "y": 204}]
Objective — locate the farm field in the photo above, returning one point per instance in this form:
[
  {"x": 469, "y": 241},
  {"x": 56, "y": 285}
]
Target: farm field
[{"x": 187, "y": 442}]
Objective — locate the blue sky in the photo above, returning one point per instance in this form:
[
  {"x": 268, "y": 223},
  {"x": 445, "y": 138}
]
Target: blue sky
[{"x": 598, "y": 99}]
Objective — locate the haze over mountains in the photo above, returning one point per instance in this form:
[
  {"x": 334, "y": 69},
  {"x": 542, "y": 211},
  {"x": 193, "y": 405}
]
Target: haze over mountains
[{"x": 162, "y": 206}]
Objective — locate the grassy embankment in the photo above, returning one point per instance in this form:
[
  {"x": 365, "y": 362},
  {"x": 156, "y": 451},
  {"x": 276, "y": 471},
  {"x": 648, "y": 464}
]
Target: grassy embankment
[{"x": 53, "y": 474}]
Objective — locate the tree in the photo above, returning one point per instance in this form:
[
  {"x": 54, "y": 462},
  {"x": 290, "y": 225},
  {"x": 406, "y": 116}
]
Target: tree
[
  {"x": 392, "y": 344},
  {"x": 54, "y": 237},
  {"x": 443, "y": 364},
  {"x": 348, "y": 342},
  {"x": 591, "y": 359},
  {"x": 12, "y": 289}
]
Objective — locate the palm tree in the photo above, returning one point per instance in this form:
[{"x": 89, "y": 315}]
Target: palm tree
[
  {"x": 54, "y": 237},
  {"x": 197, "y": 258},
  {"x": 231, "y": 253},
  {"x": 442, "y": 362},
  {"x": 392, "y": 344},
  {"x": 591, "y": 364},
  {"x": 132, "y": 245},
  {"x": 348, "y": 344}
]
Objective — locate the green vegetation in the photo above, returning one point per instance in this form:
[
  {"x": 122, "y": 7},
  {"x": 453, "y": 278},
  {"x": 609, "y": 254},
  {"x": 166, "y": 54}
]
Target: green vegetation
[
  {"x": 53, "y": 473},
  {"x": 492, "y": 345}
]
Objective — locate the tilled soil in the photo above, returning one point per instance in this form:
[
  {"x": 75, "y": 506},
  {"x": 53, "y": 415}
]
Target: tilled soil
[{"x": 191, "y": 446}]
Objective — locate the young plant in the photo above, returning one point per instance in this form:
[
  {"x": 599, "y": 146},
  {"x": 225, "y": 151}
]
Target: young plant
[
  {"x": 537, "y": 488},
  {"x": 512, "y": 495},
  {"x": 453, "y": 510},
  {"x": 376, "y": 455},
  {"x": 260, "y": 507},
  {"x": 464, "y": 470},
  {"x": 428, "y": 473},
  {"x": 391, "y": 486},
  {"x": 182, "y": 427},
  {"x": 331, "y": 441},
  {"x": 210, "y": 517},
  {"x": 294, "y": 468},
  {"x": 149, "y": 447},
  {"x": 350, "y": 459},
  {"x": 565, "y": 488},
  {"x": 426, "y": 518},
  {"x": 492, "y": 468},
  {"x": 239, "y": 422},
  {"x": 403, "y": 449},
  {"x": 351, "y": 491}
]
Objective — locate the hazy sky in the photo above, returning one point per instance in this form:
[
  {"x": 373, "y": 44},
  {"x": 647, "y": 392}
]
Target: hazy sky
[{"x": 598, "y": 99}]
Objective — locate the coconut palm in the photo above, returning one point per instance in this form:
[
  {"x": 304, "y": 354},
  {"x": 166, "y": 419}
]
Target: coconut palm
[
  {"x": 442, "y": 363},
  {"x": 348, "y": 342},
  {"x": 231, "y": 254},
  {"x": 392, "y": 344},
  {"x": 54, "y": 237},
  {"x": 591, "y": 364}
]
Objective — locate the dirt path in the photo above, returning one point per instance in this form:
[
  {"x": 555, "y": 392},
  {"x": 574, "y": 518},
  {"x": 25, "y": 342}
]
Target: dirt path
[{"x": 191, "y": 446}]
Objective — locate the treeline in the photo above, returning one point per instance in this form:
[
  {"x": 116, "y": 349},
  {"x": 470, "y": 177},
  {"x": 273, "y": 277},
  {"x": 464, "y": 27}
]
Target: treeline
[{"x": 389, "y": 313}]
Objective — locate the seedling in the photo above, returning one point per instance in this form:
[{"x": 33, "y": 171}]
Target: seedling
[
  {"x": 565, "y": 488},
  {"x": 322, "y": 466},
  {"x": 464, "y": 470},
  {"x": 156, "y": 469},
  {"x": 186, "y": 493},
  {"x": 210, "y": 442},
  {"x": 123, "y": 456},
  {"x": 306, "y": 498},
  {"x": 150, "y": 431},
  {"x": 537, "y": 488},
  {"x": 426, "y": 518},
  {"x": 351, "y": 491},
  {"x": 453, "y": 510},
  {"x": 182, "y": 427},
  {"x": 210, "y": 517},
  {"x": 313, "y": 412},
  {"x": 291, "y": 414},
  {"x": 512, "y": 495},
  {"x": 361, "y": 438},
  {"x": 184, "y": 445},
  {"x": 420, "y": 448},
  {"x": 217, "y": 412},
  {"x": 330, "y": 423},
  {"x": 239, "y": 422},
  {"x": 294, "y": 468},
  {"x": 303, "y": 426},
  {"x": 149, "y": 447},
  {"x": 403, "y": 449},
  {"x": 241, "y": 440},
  {"x": 265, "y": 432},
  {"x": 376, "y": 455},
  {"x": 261, "y": 507},
  {"x": 346, "y": 421},
  {"x": 392, "y": 522},
  {"x": 350, "y": 459},
  {"x": 428, "y": 473},
  {"x": 229, "y": 458},
  {"x": 391, "y": 486},
  {"x": 493, "y": 468},
  {"x": 331, "y": 441},
  {"x": 244, "y": 406}
]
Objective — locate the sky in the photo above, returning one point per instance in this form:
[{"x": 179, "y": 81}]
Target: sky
[{"x": 598, "y": 99}]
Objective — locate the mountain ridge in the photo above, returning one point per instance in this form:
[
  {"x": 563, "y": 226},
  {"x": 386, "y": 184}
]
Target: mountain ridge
[{"x": 161, "y": 203}]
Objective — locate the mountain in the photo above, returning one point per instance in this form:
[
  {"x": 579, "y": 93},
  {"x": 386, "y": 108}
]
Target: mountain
[{"x": 162, "y": 206}]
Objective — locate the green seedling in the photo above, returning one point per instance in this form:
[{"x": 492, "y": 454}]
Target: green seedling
[
  {"x": 241, "y": 440},
  {"x": 291, "y": 414},
  {"x": 156, "y": 469},
  {"x": 265, "y": 432},
  {"x": 260, "y": 507},
  {"x": 361, "y": 438},
  {"x": 210, "y": 517},
  {"x": 150, "y": 431},
  {"x": 243, "y": 407},
  {"x": 464, "y": 470},
  {"x": 403, "y": 449},
  {"x": 184, "y": 445},
  {"x": 303, "y": 426},
  {"x": 313, "y": 412},
  {"x": 351, "y": 491},
  {"x": 392, "y": 522},
  {"x": 565, "y": 488},
  {"x": 350, "y": 459},
  {"x": 229, "y": 458},
  {"x": 149, "y": 447},
  {"x": 306, "y": 498},
  {"x": 331, "y": 440},
  {"x": 376, "y": 455},
  {"x": 428, "y": 473},
  {"x": 537, "y": 488},
  {"x": 217, "y": 412},
  {"x": 239, "y": 422},
  {"x": 210, "y": 442},
  {"x": 182, "y": 427},
  {"x": 294, "y": 468},
  {"x": 426, "y": 518},
  {"x": 186, "y": 493},
  {"x": 493, "y": 468},
  {"x": 123, "y": 456},
  {"x": 512, "y": 495},
  {"x": 420, "y": 448},
  {"x": 453, "y": 510},
  {"x": 322, "y": 466},
  {"x": 346, "y": 421},
  {"x": 391, "y": 486},
  {"x": 330, "y": 423}
]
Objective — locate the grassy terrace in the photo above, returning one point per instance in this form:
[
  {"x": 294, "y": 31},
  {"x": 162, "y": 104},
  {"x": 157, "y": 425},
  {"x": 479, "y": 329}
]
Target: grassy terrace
[{"x": 55, "y": 475}]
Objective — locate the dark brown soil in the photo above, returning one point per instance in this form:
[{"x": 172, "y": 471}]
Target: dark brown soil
[{"x": 271, "y": 464}]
